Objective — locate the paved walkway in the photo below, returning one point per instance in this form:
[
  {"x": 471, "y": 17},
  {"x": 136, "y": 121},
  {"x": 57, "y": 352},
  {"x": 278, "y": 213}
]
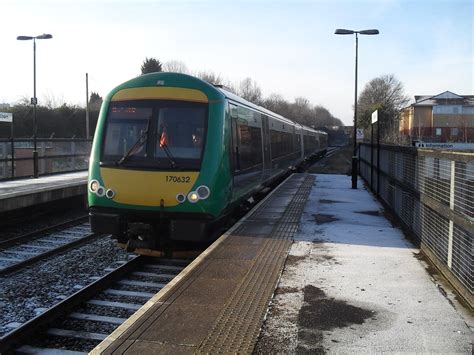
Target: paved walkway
[
  {"x": 13, "y": 188},
  {"x": 22, "y": 193},
  {"x": 353, "y": 284}
]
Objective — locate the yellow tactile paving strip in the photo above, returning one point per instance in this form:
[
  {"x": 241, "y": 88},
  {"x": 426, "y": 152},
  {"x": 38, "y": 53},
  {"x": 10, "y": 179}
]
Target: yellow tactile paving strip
[{"x": 219, "y": 303}]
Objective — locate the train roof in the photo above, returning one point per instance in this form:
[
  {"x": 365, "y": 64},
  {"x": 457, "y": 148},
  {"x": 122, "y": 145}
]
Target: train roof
[
  {"x": 214, "y": 92},
  {"x": 236, "y": 98},
  {"x": 240, "y": 100}
]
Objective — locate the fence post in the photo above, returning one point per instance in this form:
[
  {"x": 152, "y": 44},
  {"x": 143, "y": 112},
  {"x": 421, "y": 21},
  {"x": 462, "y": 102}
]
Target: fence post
[
  {"x": 451, "y": 206},
  {"x": 378, "y": 159},
  {"x": 13, "y": 148},
  {"x": 73, "y": 151},
  {"x": 372, "y": 156},
  {"x": 43, "y": 160}
]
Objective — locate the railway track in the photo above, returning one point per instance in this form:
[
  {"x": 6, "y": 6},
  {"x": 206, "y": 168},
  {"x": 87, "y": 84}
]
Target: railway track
[
  {"x": 21, "y": 251},
  {"x": 331, "y": 151},
  {"x": 81, "y": 321}
]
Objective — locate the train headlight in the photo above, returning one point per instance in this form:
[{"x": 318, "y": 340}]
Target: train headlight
[
  {"x": 94, "y": 186},
  {"x": 110, "y": 193},
  {"x": 193, "y": 197},
  {"x": 203, "y": 192},
  {"x": 100, "y": 191},
  {"x": 180, "y": 198}
]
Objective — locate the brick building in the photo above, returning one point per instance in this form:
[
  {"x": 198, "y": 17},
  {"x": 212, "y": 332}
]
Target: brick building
[{"x": 446, "y": 117}]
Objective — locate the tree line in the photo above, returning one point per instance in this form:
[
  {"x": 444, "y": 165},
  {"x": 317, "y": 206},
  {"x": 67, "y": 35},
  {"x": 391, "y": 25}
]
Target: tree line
[
  {"x": 300, "y": 110},
  {"x": 384, "y": 93},
  {"x": 64, "y": 121}
]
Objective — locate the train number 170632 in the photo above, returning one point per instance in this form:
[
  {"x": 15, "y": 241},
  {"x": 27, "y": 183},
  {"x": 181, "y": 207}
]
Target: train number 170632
[{"x": 179, "y": 179}]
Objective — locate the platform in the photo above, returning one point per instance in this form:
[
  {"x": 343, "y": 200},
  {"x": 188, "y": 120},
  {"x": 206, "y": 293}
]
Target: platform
[
  {"x": 23, "y": 193},
  {"x": 350, "y": 283},
  {"x": 218, "y": 303}
]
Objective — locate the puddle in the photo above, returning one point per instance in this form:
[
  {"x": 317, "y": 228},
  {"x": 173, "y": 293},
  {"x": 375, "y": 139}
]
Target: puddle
[
  {"x": 282, "y": 290},
  {"x": 320, "y": 313},
  {"x": 324, "y": 218},
  {"x": 294, "y": 259},
  {"x": 328, "y": 201},
  {"x": 369, "y": 213}
]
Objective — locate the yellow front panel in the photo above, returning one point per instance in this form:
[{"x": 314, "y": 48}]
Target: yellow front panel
[
  {"x": 160, "y": 93},
  {"x": 148, "y": 188}
]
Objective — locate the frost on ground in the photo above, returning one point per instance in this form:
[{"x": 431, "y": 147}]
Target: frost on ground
[
  {"x": 29, "y": 292},
  {"x": 351, "y": 284}
]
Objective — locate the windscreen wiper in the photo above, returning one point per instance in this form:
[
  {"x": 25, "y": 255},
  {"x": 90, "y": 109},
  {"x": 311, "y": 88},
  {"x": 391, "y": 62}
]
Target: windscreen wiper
[
  {"x": 139, "y": 143},
  {"x": 163, "y": 145},
  {"x": 168, "y": 154}
]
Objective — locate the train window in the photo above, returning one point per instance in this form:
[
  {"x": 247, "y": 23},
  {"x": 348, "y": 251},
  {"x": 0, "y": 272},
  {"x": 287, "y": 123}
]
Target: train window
[
  {"x": 247, "y": 136},
  {"x": 281, "y": 143},
  {"x": 250, "y": 146},
  {"x": 155, "y": 133},
  {"x": 180, "y": 130},
  {"x": 125, "y": 125}
]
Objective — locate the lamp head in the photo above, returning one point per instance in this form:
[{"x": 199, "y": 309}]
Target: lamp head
[
  {"x": 369, "y": 32},
  {"x": 44, "y": 36},
  {"x": 24, "y": 38},
  {"x": 341, "y": 31}
]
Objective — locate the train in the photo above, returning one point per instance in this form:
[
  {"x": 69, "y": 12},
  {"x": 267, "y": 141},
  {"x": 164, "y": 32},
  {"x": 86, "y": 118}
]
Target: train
[{"x": 174, "y": 156}]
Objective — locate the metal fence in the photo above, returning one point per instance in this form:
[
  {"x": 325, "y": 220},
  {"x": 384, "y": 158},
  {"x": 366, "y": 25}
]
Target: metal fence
[
  {"x": 432, "y": 193},
  {"x": 54, "y": 156}
]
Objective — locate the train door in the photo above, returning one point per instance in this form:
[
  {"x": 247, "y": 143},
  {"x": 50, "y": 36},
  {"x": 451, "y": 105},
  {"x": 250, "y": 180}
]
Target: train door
[
  {"x": 234, "y": 141},
  {"x": 267, "y": 150}
]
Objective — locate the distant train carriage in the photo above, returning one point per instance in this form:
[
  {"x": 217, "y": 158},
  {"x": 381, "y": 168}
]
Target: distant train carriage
[{"x": 173, "y": 156}]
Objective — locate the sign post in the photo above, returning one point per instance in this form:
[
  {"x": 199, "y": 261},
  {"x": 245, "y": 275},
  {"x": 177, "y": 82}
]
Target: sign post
[
  {"x": 374, "y": 120},
  {"x": 8, "y": 117}
]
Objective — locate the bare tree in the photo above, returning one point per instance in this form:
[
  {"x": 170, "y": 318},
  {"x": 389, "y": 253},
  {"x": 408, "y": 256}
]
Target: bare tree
[
  {"x": 52, "y": 101},
  {"x": 210, "y": 77},
  {"x": 302, "y": 111},
  {"x": 95, "y": 101},
  {"x": 250, "y": 91},
  {"x": 175, "y": 66},
  {"x": 386, "y": 94},
  {"x": 277, "y": 104},
  {"x": 324, "y": 118}
]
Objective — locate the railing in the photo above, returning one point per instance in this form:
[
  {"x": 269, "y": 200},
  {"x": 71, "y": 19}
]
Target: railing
[
  {"x": 432, "y": 193},
  {"x": 54, "y": 156}
]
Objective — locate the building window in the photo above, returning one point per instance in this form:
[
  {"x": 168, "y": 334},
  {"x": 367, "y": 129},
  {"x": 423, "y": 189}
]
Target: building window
[
  {"x": 439, "y": 131},
  {"x": 454, "y": 131}
]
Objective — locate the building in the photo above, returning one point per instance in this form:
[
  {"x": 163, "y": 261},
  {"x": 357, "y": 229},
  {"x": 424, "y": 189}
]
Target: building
[{"x": 446, "y": 117}]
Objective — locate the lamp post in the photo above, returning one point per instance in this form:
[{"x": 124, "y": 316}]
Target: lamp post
[
  {"x": 354, "y": 153},
  {"x": 34, "y": 100}
]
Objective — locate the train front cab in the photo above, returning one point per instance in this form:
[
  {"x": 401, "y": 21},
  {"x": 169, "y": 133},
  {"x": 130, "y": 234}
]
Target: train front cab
[{"x": 152, "y": 172}]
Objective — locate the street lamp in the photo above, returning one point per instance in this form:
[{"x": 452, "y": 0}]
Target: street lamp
[
  {"x": 34, "y": 100},
  {"x": 340, "y": 31}
]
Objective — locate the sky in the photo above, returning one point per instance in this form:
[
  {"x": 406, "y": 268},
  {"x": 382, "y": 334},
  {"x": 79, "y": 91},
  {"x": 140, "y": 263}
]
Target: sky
[{"x": 286, "y": 47}]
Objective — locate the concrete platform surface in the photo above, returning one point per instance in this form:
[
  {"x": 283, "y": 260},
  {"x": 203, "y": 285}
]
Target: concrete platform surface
[
  {"x": 352, "y": 283},
  {"x": 218, "y": 303},
  {"x": 28, "y": 192}
]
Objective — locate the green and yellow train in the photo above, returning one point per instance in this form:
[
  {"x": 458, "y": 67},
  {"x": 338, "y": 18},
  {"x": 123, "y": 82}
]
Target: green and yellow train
[{"x": 173, "y": 156}]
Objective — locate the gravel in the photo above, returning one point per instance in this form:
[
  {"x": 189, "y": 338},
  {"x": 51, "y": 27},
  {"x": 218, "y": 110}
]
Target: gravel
[
  {"x": 46, "y": 283},
  {"x": 42, "y": 221},
  {"x": 105, "y": 311}
]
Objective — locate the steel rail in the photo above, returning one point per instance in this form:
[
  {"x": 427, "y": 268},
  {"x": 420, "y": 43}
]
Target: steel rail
[
  {"x": 20, "y": 239},
  {"x": 29, "y": 261},
  {"x": 19, "y": 335}
]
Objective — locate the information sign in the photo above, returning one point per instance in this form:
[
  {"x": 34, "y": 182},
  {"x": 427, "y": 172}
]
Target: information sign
[{"x": 6, "y": 117}]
